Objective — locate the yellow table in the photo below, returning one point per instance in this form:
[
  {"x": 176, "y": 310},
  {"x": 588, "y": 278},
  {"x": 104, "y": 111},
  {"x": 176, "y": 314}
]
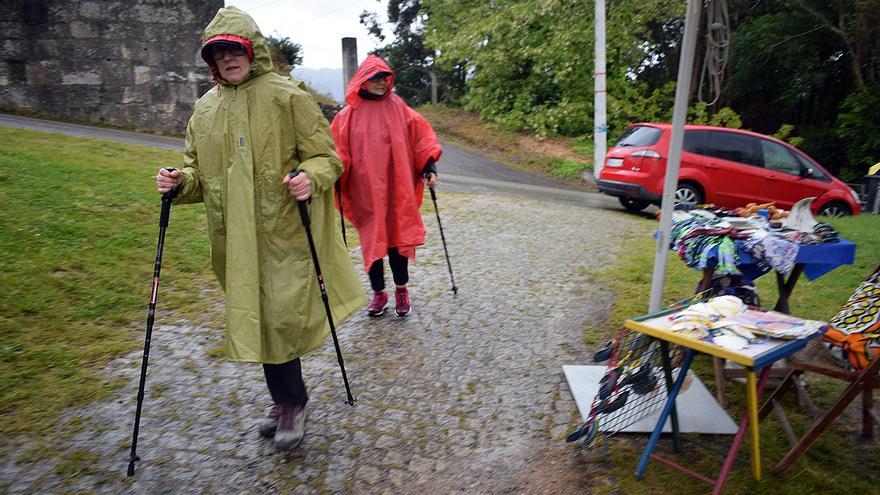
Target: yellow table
[{"x": 755, "y": 358}]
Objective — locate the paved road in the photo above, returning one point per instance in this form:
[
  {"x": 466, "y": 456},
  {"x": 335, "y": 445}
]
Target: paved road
[
  {"x": 465, "y": 396},
  {"x": 461, "y": 170}
]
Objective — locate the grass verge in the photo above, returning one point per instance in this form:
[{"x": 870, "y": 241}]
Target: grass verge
[{"x": 78, "y": 239}]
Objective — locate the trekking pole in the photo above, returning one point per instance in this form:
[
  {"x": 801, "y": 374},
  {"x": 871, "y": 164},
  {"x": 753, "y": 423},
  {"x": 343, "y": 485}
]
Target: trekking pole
[
  {"x": 443, "y": 238},
  {"x": 304, "y": 215},
  {"x": 151, "y": 313}
]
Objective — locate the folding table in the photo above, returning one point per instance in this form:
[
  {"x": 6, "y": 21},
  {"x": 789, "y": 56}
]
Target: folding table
[{"x": 756, "y": 358}]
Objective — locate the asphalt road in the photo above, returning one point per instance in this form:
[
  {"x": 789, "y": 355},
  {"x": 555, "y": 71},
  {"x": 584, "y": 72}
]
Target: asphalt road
[{"x": 461, "y": 170}]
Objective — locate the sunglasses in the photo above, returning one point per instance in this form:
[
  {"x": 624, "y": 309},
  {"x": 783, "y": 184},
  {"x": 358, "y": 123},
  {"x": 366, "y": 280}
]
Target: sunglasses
[
  {"x": 219, "y": 50},
  {"x": 378, "y": 77}
]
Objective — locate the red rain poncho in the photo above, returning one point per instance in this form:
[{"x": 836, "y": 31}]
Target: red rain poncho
[{"x": 384, "y": 145}]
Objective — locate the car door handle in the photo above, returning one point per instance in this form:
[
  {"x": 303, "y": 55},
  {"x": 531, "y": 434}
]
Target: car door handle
[{"x": 712, "y": 166}]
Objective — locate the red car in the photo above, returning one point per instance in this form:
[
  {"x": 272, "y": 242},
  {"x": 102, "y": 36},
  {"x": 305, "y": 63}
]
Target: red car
[{"x": 726, "y": 167}]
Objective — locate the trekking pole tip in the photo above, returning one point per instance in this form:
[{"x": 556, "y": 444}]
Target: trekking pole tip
[
  {"x": 131, "y": 465},
  {"x": 454, "y": 290}
]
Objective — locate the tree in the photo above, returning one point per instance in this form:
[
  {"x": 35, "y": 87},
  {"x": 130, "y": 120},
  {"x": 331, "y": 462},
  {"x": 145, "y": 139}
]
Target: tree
[
  {"x": 285, "y": 54},
  {"x": 409, "y": 56},
  {"x": 530, "y": 62}
]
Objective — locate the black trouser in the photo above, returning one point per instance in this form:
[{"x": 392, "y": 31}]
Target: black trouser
[
  {"x": 286, "y": 384},
  {"x": 398, "y": 270}
]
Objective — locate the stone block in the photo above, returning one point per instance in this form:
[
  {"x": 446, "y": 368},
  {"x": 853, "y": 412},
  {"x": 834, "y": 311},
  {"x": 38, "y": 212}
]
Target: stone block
[
  {"x": 83, "y": 30},
  {"x": 91, "y": 10},
  {"x": 15, "y": 49},
  {"x": 142, "y": 74},
  {"x": 87, "y": 78},
  {"x": 117, "y": 74},
  {"x": 43, "y": 73},
  {"x": 12, "y": 29},
  {"x": 46, "y": 49}
]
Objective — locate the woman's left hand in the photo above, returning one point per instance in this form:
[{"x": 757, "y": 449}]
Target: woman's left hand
[
  {"x": 430, "y": 180},
  {"x": 299, "y": 187}
]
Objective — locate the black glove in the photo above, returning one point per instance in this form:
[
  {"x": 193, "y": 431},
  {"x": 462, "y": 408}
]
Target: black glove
[{"x": 429, "y": 168}]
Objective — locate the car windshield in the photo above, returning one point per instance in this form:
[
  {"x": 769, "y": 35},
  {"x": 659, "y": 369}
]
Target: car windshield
[{"x": 639, "y": 135}]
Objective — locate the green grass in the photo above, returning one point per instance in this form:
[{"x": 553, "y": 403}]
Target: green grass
[
  {"x": 836, "y": 463},
  {"x": 78, "y": 238}
]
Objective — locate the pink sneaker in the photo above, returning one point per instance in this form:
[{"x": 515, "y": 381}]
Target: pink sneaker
[
  {"x": 401, "y": 301},
  {"x": 377, "y": 307}
]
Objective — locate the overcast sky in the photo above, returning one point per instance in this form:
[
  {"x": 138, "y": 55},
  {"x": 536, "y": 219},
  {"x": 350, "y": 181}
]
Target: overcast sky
[{"x": 316, "y": 25}]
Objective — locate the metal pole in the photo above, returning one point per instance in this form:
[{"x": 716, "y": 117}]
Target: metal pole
[
  {"x": 670, "y": 182},
  {"x": 600, "y": 126}
]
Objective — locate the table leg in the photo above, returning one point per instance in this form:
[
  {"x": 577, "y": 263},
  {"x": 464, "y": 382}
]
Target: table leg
[
  {"x": 718, "y": 364},
  {"x": 786, "y": 287},
  {"x": 664, "y": 414},
  {"x": 744, "y": 424},
  {"x": 667, "y": 372},
  {"x": 706, "y": 281},
  {"x": 752, "y": 407}
]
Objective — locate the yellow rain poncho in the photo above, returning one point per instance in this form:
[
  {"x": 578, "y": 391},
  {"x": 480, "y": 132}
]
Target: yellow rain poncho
[{"x": 240, "y": 143}]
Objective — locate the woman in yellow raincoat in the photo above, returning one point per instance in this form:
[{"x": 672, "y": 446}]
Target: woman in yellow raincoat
[{"x": 245, "y": 135}]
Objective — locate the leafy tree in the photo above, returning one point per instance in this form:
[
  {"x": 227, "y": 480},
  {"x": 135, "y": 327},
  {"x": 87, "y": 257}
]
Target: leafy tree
[
  {"x": 530, "y": 62},
  {"x": 859, "y": 128},
  {"x": 285, "y": 54},
  {"x": 409, "y": 56}
]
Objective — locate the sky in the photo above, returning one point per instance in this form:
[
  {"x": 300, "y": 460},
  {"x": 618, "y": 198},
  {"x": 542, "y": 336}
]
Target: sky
[{"x": 316, "y": 25}]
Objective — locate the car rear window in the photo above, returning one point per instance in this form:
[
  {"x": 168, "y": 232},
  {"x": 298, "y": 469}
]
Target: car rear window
[{"x": 640, "y": 135}]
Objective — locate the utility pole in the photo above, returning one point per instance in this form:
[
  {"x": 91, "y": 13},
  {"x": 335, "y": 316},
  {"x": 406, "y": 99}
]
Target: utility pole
[
  {"x": 600, "y": 126},
  {"x": 349, "y": 61}
]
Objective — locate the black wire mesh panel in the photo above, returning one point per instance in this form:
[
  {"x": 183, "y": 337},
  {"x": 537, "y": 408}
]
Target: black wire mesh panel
[{"x": 632, "y": 388}]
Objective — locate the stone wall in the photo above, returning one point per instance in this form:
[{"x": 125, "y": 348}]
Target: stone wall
[{"x": 132, "y": 64}]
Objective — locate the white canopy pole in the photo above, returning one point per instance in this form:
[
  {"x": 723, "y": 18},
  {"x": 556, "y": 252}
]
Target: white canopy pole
[
  {"x": 670, "y": 182},
  {"x": 600, "y": 126}
]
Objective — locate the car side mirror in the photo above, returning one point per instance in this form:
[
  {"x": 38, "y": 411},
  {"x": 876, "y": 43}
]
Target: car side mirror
[{"x": 806, "y": 172}]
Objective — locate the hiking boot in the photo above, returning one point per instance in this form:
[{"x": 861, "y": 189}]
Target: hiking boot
[
  {"x": 269, "y": 424},
  {"x": 291, "y": 427},
  {"x": 377, "y": 307},
  {"x": 401, "y": 301}
]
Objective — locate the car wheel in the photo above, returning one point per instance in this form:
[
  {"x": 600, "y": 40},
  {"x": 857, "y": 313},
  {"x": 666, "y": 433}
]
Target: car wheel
[
  {"x": 632, "y": 204},
  {"x": 688, "y": 194},
  {"x": 835, "y": 209}
]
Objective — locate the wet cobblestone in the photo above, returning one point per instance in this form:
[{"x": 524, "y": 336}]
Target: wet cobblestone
[{"x": 466, "y": 395}]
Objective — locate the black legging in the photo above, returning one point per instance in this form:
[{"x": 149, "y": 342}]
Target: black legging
[
  {"x": 286, "y": 384},
  {"x": 398, "y": 270}
]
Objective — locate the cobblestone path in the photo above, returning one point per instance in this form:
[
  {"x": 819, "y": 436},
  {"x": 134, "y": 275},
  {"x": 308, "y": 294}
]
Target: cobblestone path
[{"x": 466, "y": 395}]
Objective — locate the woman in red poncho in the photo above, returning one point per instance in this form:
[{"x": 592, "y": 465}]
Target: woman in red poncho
[{"x": 390, "y": 152}]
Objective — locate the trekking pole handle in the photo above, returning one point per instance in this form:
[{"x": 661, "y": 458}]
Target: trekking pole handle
[
  {"x": 301, "y": 204},
  {"x": 165, "y": 212},
  {"x": 427, "y": 176},
  {"x": 172, "y": 193}
]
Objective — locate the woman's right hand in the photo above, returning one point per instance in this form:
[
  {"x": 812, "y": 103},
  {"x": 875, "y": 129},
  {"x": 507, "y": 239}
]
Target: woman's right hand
[{"x": 167, "y": 180}]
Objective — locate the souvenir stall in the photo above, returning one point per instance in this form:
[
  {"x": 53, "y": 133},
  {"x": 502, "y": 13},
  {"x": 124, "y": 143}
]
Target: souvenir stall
[{"x": 748, "y": 242}]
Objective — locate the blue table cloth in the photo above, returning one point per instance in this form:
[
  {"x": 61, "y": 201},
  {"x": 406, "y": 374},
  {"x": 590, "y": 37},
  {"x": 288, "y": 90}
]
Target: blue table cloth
[{"x": 818, "y": 259}]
